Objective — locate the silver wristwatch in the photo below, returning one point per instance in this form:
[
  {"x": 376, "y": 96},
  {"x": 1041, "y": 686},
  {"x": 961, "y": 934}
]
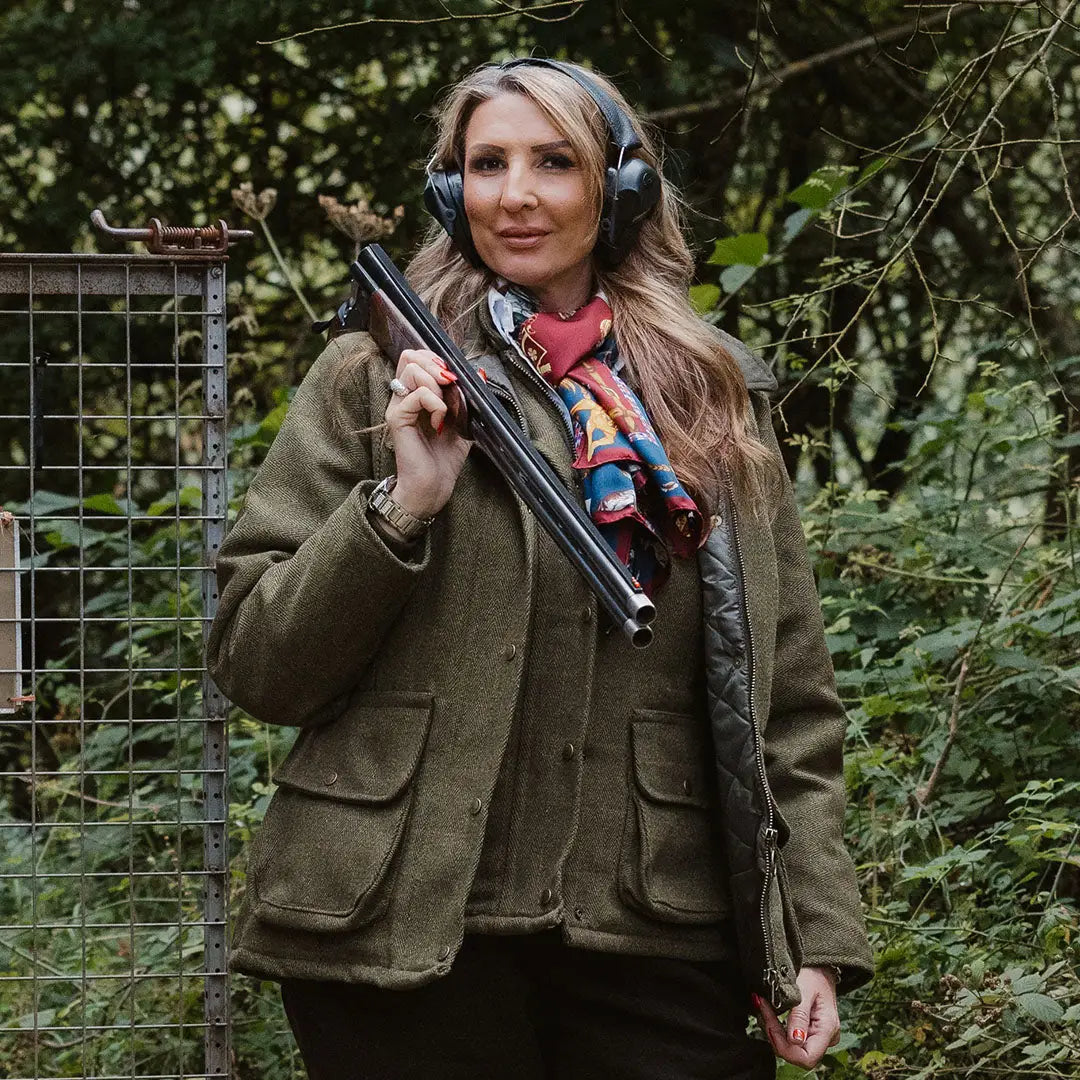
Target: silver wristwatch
[{"x": 379, "y": 502}]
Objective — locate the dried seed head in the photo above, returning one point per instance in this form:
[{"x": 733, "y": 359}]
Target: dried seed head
[
  {"x": 257, "y": 206},
  {"x": 358, "y": 221}
]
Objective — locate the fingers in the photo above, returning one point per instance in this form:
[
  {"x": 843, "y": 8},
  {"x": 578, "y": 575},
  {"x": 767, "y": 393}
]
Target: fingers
[
  {"x": 422, "y": 401},
  {"x": 815, "y": 1046},
  {"x": 425, "y": 366},
  {"x": 420, "y": 368},
  {"x": 807, "y": 1035},
  {"x": 774, "y": 1032},
  {"x": 798, "y": 1023}
]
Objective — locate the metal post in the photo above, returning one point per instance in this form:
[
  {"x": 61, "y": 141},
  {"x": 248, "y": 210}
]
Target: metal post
[{"x": 215, "y": 502}]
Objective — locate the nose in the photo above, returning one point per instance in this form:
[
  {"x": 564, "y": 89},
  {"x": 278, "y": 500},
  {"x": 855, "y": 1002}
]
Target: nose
[{"x": 518, "y": 191}]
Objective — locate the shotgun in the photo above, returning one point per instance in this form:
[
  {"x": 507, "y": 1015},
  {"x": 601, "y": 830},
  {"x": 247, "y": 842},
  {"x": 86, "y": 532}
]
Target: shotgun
[{"x": 398, "y": 319}]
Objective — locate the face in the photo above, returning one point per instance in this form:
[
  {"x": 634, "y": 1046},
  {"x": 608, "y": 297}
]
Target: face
[{"x": 532, "y": 216}]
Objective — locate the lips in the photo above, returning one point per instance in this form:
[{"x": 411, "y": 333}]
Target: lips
[{"x": 521, "y": 238}]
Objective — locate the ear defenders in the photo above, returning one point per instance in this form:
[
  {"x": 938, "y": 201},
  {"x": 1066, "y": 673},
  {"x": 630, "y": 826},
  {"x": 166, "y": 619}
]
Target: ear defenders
[{"x": 631, "y": 186}]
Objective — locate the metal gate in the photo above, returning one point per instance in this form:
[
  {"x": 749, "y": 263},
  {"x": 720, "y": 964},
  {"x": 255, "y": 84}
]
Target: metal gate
[{"x": 113, "y": 784}]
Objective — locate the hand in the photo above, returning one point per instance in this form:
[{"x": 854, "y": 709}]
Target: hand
[
  {"x": 425, "y": 428},
  {"x": 812, "y": 1026}
]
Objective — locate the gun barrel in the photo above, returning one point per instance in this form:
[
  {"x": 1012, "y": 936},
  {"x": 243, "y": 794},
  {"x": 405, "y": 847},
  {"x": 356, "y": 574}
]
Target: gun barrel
[{"x": 516, "y": 458}]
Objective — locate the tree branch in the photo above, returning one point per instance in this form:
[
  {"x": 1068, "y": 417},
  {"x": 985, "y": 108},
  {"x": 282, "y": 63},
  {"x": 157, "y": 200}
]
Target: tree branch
[{"x": 803, "y": 67}]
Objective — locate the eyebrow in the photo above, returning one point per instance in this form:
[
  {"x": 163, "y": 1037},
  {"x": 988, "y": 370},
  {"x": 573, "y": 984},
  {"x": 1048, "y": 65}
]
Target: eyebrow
[{"x": 539, "y": 148}]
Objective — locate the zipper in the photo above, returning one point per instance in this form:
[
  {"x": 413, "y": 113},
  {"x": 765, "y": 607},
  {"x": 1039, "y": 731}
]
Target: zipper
[
  {"x": 771, "y": 976},
  {"x": 549, "y": 392},
  {"x": 511, "y": 405}
]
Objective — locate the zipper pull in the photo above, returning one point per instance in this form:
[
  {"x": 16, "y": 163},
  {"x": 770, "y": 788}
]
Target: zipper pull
[{"x": 770, "y": 836}]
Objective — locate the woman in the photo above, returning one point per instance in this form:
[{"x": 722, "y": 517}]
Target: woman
[{"x": 576, "y": 858}]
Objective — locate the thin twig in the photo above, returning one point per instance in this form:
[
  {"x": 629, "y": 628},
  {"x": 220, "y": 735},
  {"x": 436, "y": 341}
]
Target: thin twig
[
  {"x": 468, "y": 16},
  {"x": 284, "y": 267},
  {"x": 972, "y": 145},
  {"x": 801, "y": 67},
  {"x": 925, "y": 793}
]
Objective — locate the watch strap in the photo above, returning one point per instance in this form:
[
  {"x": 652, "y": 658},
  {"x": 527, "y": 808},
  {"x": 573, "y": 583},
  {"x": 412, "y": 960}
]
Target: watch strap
[{"x": 382, "y": 503}]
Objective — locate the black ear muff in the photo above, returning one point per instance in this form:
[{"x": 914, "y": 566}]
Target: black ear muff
[
  {"x": 633, "y": 191},
  {"x": 444, "y": 197}
]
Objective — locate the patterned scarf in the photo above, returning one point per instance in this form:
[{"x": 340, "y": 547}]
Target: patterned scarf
[{"x": 631, "y": 490}]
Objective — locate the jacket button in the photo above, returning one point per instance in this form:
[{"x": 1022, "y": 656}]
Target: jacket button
[
  {"x": 475, "y": 806},
  {"x": 579, "y": 913},
  {"x": 545, "y": 897},
  {"x": 738, "y": 660},
  {"x": 568, "y": 751},
  {"x": 444, "y": 952},
  {"x": 331, "y": 778},
  {"x": 586, "y": 615},
  {"x": 510, "y": 652},
  {"x": 687, "y": 787}
]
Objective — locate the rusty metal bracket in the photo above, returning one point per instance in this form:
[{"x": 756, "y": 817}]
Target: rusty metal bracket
[{"x": 173, "y": 239}]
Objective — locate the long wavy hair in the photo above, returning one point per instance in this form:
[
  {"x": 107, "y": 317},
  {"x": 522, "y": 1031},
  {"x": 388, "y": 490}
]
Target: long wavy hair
[{"x": 689, "y": 383}]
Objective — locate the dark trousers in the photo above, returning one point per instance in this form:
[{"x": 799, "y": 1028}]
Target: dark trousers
[{"x": 528, "y": 1007}]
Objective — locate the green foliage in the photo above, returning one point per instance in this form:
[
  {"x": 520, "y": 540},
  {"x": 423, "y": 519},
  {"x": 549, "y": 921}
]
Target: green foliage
[
  {"x": 108, "y": 853},
  {"x": 897, "y": 223},
  {"x": 954, "y": 623}
]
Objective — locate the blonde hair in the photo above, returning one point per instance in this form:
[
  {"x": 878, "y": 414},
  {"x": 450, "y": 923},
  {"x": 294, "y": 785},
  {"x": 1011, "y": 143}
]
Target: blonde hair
[{"x": 689, "y": 383}]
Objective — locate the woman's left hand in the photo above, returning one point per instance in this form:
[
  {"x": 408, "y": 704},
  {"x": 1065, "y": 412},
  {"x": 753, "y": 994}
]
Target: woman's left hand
[{"x": 812, "y": 1026}]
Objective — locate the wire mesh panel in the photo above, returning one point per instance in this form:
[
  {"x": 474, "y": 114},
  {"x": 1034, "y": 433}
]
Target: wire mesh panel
[{"x": 112, "y": 738}]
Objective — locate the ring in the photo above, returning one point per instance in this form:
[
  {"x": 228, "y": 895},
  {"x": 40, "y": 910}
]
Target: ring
[{"x": 399, "y": 387}]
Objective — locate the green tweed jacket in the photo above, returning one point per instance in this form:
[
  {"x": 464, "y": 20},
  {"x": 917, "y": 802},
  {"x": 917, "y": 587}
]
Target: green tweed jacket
[{"x": 404, "y": 673}]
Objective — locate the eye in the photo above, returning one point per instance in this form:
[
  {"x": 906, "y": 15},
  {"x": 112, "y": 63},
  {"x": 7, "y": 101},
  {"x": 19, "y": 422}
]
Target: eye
[
  {"x": 557, "y": 161},
  {"x": 485, "y": 163}
]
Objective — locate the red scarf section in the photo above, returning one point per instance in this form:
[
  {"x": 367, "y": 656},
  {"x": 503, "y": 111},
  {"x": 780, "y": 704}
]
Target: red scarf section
[{"x": 631, "y": 490}]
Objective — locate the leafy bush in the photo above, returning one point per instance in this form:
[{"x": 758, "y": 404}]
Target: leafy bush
[{"x": 953, "y": 617}]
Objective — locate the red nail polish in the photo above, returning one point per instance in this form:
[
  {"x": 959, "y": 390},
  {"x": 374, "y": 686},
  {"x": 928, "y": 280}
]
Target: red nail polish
[
  {"x": 798, "y": 1035},
  {"x": 439, "y": 426},
  {"x": 448, "y": 375},
  {"x": 482, "y": 373},
  {"x": 755, "y": 1001}
]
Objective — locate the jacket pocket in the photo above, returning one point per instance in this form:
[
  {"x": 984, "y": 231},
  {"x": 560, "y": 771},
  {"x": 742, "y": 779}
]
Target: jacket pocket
[
  {"x": 669, "y": 866},
  {"x": 338, "y": 816}
]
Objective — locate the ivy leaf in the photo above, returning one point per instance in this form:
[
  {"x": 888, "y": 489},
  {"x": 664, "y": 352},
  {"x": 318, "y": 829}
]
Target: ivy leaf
[
  {"x": 795, "y": 223},
  {"x": 822, "y": 186},
  {"x": 746, "y": 248},
  {"x": 735, "y": 277},
  {"x": 67, "y": 534},
  {"x": 882, "y": 705},
  {"x": 105, "y": 504},
  {"x": 871, "y": 168},
  {"x": 704, "y": 297},
  {"x": 189, "y": 497},
  {"x": 46, "y": 503}
]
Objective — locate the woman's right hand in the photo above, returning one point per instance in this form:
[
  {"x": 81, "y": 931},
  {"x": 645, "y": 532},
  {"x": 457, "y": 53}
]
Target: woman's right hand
[{"x": 425, "y": 428}]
